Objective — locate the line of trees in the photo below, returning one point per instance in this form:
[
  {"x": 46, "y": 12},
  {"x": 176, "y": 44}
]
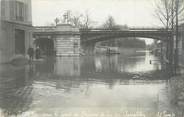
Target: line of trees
[
  {"x": 123, "y": 43},
  {"x": 112, "y": 25},
  {"x": 171, "y": 13},
  {"x": 85, "y": 22}
]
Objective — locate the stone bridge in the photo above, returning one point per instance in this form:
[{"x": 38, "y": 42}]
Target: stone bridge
[
  {"x": 68, "y": 39},
  {"x": 91, "y": 36},
  {"x": 97, "y": 35}
]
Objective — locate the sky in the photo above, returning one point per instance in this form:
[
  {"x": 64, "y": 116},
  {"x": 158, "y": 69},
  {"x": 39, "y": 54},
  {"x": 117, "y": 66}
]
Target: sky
[
  {"x": 134, "y": 13},
  {"x": 138, "y": 13}
]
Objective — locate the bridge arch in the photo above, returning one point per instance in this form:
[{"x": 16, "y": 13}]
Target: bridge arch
[
  {"x": 90, "y": 37},
  {"x": 88, "y": 42},
  {"x": 46, "y": 45},
  {"x": 115, "y": 37},
  {"x": 95, "y": 36}
]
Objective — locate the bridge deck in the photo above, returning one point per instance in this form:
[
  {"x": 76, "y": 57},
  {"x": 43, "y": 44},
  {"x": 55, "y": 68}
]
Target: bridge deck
[{"x": 154, "y": 33}]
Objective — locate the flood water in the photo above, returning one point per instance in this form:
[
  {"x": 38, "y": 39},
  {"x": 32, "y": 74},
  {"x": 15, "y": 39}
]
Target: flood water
[{"x": 88, "y": 86}]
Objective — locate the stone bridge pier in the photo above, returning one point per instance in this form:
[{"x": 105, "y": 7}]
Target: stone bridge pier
[
  {"x": 88, "y": 47},
  {"x": 62, "y": 40}
]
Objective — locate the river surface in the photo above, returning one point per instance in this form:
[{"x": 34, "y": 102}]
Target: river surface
[{"x": 87, "y": 86}]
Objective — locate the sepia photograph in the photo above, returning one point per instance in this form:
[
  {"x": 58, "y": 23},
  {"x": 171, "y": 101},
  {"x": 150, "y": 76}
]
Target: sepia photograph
[{"x": 91, "y": 58}]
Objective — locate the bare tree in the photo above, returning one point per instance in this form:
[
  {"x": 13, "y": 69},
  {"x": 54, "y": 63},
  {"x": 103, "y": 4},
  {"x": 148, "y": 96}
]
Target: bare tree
[
  {"x": 76, "y": 20},
  {"x": 166, "y": 12},
  {"x": 170, "y": 13},
  {"x": 109, "y": 23},
  {"x": 86, "y": 22}
]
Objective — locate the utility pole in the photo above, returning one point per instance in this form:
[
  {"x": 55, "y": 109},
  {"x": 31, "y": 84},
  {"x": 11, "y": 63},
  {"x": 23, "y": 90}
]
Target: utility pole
[
  {"x": 171, "y": 41},
  {"x": 176, "y": 48}
]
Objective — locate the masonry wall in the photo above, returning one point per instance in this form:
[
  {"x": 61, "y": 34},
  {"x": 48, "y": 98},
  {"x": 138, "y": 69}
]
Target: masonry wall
[{"x": 67, "y": 45}]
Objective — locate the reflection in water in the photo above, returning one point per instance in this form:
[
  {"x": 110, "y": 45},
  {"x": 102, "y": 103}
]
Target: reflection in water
[
  {"x": 15, "y": 90},
  {"x": 176, "y": 88},
  {"x": 139, "y": 64},
  {"x": 68, "y": 66},
  {"x": 106, "y": 63},
  {"x": 86, "y": 84},
  {"x": 126, "y": 64}
]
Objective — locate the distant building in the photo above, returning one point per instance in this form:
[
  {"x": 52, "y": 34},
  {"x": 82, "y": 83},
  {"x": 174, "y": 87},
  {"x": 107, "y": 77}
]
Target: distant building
[{"x": 16, "y": 26}]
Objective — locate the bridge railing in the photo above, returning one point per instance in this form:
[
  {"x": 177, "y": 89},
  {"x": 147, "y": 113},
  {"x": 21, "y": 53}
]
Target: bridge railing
[
  {"x": 129, "y": 29},
  {"x": 44, "y": 28},
  {"x": 50, "y": 28}
]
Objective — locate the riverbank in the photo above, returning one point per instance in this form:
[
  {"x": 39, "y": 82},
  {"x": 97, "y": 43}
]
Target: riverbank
[
  {"x": 177, "y": 91},
  {"x": 123, "y": 51},
  {"x": 132, "y": 51}
]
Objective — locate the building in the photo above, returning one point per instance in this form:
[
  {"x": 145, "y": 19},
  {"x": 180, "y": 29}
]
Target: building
[
  {"x": 0, "y": 31},
  {"x": 16, "y": 28}
]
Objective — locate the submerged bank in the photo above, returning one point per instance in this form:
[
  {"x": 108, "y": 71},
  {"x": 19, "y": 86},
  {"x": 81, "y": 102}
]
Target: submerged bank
[{"x": 116, "y": 50}]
